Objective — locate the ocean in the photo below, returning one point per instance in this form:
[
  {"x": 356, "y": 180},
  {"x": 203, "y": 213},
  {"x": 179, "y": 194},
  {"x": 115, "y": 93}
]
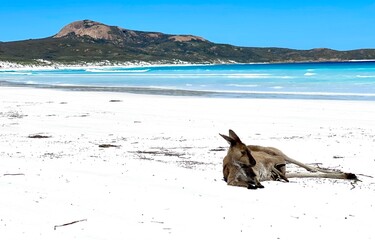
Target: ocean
[{"x": 338, "y": 81}]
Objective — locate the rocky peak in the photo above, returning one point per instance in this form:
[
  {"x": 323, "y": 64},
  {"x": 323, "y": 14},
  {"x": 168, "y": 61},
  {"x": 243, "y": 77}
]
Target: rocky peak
[
  {"x": 89, "y": 28},
  {"x": 117, "y": 35}
]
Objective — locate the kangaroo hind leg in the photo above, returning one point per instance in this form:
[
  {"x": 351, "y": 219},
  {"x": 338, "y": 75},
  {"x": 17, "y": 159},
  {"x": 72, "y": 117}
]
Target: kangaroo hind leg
[{"x": 278, "y": 173}]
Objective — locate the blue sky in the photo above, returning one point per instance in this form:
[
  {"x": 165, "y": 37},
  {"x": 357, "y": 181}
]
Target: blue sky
[{"x": 302, "y": 24}]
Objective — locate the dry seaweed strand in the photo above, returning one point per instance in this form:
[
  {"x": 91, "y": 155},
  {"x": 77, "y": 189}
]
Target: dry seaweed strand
[{"x": 70, "y": 223}]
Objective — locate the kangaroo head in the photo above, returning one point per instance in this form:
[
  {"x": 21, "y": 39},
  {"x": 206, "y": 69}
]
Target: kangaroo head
[{"x": 238, "y": 151}]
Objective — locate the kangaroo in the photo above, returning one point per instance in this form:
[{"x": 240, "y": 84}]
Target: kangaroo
[{"x": 247, "y": 166}]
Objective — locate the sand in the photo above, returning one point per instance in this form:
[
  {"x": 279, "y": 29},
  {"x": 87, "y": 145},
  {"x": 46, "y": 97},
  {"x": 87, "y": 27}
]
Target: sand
[{"x": 123, "y": 166}]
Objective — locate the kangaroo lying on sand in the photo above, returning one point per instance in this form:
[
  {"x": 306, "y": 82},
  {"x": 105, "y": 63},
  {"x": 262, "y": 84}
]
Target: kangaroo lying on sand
[{"x": 247, "y": 166}]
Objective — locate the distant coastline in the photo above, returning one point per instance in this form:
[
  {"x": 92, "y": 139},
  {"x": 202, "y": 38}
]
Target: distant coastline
[
  {"x": 48, "y": 65},
  {"x": 41, "y": 64}
]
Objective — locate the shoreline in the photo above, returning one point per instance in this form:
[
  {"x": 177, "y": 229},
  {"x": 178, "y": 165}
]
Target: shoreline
[
  {"x": 161, "y": 91},
  {"x": 120, "y": 163},
  {"x": 11, "y": 66}
]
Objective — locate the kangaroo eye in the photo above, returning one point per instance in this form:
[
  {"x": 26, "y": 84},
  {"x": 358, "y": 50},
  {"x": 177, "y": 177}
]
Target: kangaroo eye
[{"x": 243, "y": 152}]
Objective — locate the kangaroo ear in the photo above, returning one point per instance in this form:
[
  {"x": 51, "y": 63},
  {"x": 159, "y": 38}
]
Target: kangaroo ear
[
  {"x": 234, "y": 136},
  {"x": 230, "y": 140}
]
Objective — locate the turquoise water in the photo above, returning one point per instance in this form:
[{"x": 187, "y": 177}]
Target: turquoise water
[{"x": 347, "y": 81}]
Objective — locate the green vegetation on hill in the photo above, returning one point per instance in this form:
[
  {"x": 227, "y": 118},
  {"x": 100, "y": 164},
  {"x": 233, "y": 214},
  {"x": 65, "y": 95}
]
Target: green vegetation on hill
[{"x": 122, "y": 45}]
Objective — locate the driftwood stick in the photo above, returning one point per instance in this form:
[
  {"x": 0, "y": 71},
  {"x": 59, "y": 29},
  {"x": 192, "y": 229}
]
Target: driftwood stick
[
  {"x": 70, "y": 223},
  {"x": 13, "y": 174}
]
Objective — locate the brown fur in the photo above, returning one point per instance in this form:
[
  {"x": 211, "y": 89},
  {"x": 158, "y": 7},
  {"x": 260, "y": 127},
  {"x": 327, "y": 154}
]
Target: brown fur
[{"x": 246, "y": 166}]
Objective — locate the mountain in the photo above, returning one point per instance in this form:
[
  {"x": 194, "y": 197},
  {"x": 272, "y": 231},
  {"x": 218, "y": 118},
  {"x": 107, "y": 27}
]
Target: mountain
[
  {"x": 119, "y": 36},
  {"x": 90, "y": 41}
]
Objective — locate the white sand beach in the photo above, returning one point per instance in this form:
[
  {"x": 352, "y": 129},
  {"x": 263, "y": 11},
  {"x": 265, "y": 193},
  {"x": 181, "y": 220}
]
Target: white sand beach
[{"x": 123, "y": 166}]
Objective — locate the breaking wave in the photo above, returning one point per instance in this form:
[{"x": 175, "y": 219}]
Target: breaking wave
[{"x": 117, "y": 71}]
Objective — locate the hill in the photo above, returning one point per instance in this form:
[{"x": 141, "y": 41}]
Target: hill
[{"x": 90, "y": 41}]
